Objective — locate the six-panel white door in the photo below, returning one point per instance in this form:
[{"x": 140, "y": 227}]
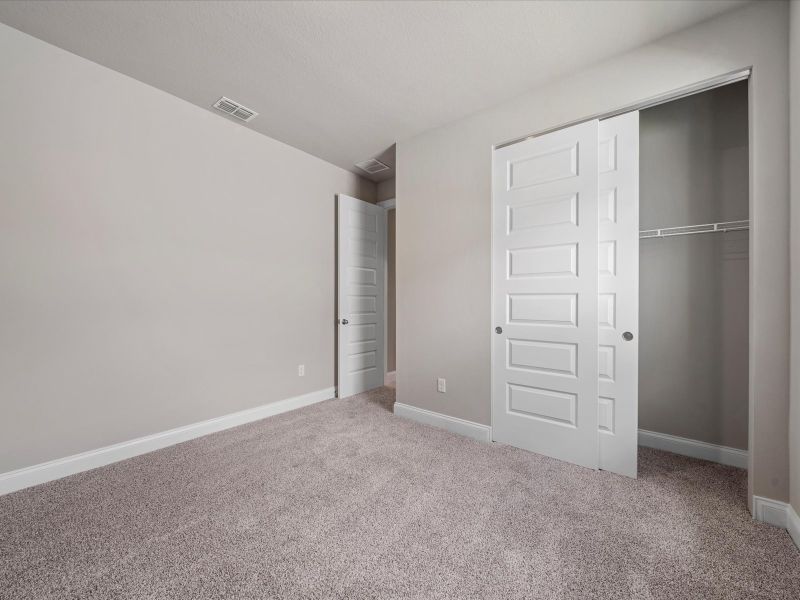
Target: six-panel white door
[
  {"x": 361, "y": 231},
  {"x": 545, "y": 248},
  {"x": 618, "y": 293}
]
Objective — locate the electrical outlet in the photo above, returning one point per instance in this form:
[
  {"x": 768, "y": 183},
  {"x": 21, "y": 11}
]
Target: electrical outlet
[
  {"x": 441, "y": 385},
  {"x": 301, "y": 370}
]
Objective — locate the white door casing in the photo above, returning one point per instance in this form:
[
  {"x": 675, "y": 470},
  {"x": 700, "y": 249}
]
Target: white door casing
[
  {"x": 361, "y": 265},
  {"x": 618, "y": 293},
  {"x": 545, "y": 286}
]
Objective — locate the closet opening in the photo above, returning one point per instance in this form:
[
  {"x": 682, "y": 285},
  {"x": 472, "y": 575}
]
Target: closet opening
[
  {"x": 694, "y": 275},
  {"x": 620, "y": 286}
]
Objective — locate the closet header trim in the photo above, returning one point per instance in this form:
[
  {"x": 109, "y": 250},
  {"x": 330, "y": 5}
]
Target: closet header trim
[{"x": 702, "y": 86}]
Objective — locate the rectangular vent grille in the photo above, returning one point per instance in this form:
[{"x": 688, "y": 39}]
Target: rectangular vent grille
[
  {"x": 234, "y": 109},
  {"x": 372, "y": 166}
]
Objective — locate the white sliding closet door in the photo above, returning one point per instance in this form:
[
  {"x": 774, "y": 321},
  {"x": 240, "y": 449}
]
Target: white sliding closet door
[
  {"x": 545, "y": 256},
  {"x": 618, "y": 293},
  {"x": 361, "y": 266}
]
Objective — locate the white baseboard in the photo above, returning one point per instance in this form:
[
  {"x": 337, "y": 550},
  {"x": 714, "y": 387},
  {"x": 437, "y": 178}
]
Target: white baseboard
[
  {"x": 793, "y": 524},
  {"x": 777, "y": 513},
  {"x": 772, "y": 512},
  {"x": 61, "y": 467},
  {"x": 678, "y": 445},
  {"x": 476, "y": 431}
]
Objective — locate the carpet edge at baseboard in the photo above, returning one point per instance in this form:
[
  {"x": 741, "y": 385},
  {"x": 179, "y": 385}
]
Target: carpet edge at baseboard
[
  {"x": 470, "y": 429},
  {"x": 25, "y": 477},
  {"x": 694, "y": 448}
]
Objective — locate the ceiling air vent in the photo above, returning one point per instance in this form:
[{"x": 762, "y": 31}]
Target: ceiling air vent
[
  {"x": 372, "y": 166},
  {"x": 234, "y": 109}
]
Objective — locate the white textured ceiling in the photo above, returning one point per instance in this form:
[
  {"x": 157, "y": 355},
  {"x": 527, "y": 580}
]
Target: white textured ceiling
[{"x": 345, "y": 80}]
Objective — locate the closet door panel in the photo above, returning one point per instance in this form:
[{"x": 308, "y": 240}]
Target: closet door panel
[
  {"x": 618, "y": 293},
  {"x": 545, "y": 260}
]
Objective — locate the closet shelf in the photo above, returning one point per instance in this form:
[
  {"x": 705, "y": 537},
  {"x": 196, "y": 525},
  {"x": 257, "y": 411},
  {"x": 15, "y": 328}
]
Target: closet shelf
[{"x": 692, "y": 229}]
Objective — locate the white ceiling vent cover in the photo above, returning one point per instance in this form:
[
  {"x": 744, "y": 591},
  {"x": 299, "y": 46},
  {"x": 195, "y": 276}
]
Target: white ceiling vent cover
[
  {"x": 372, "y": 166},
  {"x": 234, "y": 109}
]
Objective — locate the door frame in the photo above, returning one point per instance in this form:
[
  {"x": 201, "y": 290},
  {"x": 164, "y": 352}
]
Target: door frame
[
  {"x": 388, "y": 204},
  {"x": 699, "y": 87}
]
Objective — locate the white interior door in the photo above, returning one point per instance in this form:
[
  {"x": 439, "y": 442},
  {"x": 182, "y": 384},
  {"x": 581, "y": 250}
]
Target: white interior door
[
  {"x": 545, "y": 248},
  {"x": 361, "y": 264},
  {"x": 618, "y": 293}
]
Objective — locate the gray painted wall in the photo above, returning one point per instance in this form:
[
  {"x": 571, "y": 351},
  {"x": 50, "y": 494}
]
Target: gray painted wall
[
  {"x": 795, "y": 174},
  {"x": 694, "y": 289},
  {"x": 385, "y": 190},
  {"x": 159, "y": 264},
  {"x": 444, "y": 241}
]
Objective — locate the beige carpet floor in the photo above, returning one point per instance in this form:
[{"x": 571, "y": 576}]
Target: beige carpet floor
[{"x": 344, "y": 500}]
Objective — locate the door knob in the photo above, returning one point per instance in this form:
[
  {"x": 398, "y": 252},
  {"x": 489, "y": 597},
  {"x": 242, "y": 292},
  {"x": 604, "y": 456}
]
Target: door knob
[
  {"x": 498, "y": 330},
  {"x": 345, "y": 321},
  {"x": 627, "y": 336}
]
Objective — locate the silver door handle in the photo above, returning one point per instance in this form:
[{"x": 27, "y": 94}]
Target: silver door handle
[
  {"x": 498, "y": 330},
  {"x": 627, "y": 336},
  {"x": 344, "y": 321}
]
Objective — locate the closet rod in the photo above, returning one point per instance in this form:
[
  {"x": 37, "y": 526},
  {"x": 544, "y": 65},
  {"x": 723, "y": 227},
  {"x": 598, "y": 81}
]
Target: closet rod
[{"x": 692, "y": 229}]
